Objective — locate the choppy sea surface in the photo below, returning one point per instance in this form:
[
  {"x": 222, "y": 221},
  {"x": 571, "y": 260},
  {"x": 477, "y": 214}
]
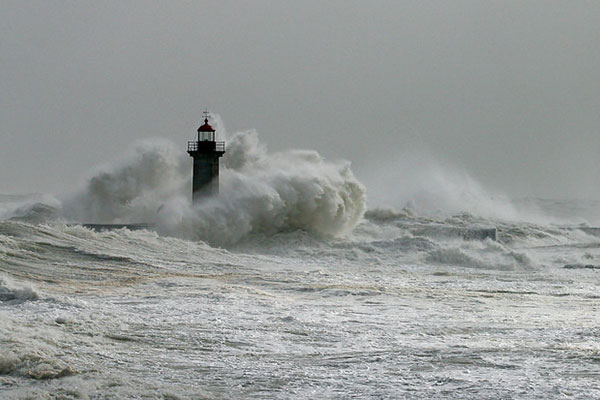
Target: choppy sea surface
[
  {"x": 288, "y": 286},
  {"x": 402, "y": 306}
]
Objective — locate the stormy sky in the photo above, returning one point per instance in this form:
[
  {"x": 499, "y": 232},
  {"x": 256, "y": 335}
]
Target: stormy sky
[{"x": 505, "y": 91}]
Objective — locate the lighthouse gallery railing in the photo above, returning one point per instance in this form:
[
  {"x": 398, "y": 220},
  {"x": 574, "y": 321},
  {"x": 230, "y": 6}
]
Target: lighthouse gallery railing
[{"x": 206, "y": 145}]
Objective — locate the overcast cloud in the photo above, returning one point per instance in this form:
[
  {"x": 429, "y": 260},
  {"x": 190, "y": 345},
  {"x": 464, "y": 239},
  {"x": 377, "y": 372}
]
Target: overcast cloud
[{"x": 508, "y": 91}]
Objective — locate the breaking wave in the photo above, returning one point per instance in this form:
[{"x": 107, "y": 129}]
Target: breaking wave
[
  {"x": 133, "y": 189},
  {"x": 270, "y": 193},
  {"x": 261, "y": 192},
  {"x": 14, "y": 293}
]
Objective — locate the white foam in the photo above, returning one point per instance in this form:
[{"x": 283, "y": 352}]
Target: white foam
[
  {"x": 261, "y": 192},
  {"x": 10, "y": 291},
  {"x": 133, "y": 189},
  {"x": 269, "y": 193}
]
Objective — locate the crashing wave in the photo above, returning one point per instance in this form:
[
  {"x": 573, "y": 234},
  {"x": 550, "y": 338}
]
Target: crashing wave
[
  {"x": 261, "y": 192},
  {"x": 11, "y": 292}
]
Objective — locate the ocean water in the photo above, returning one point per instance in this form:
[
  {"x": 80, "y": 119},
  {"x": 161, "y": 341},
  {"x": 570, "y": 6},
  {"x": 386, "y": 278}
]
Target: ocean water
[{"x": 288, "y": 286}]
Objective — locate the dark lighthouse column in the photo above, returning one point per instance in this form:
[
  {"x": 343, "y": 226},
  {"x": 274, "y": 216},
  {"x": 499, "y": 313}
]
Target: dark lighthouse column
[{"x": 206, "y": 152}]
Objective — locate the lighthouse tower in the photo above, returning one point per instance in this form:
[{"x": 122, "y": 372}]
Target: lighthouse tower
[{"x": 206, "y": 152}]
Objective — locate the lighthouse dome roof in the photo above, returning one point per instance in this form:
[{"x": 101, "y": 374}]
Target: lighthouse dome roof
[{"x": 206, "y": 127}]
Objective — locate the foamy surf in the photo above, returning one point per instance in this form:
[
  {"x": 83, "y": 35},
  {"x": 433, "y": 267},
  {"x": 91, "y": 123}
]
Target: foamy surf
[{"x": 284, "y": 286}]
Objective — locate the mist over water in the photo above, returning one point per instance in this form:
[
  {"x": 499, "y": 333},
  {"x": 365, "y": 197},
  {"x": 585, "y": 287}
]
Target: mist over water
[{"x": 417, "y": 181}]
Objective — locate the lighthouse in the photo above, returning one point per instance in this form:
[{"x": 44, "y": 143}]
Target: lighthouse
[{"x": 205, "y": 151}]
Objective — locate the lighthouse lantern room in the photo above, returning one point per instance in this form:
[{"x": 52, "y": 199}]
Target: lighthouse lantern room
[{"x": 206, "y": 152}]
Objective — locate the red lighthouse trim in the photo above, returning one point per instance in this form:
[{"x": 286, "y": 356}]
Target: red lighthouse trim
[{"x": 206, "y": 127}]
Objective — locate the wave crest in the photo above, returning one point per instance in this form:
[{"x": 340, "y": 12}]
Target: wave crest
[
  {"x": 265, "y": 192},
  {"x": 13, "y": 293},
  {"x": 261, "y": 192}
]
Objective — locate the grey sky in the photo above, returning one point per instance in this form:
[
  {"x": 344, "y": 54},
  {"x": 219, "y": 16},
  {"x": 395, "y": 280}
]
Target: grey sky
[{"x": 507, "y": 90}]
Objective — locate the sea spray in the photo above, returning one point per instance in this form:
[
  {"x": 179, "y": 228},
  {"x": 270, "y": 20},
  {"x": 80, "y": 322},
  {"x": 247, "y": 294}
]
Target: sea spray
[
  {"x": 267, "y": 193},
  {"x": 261, "y": 192},
  {"x": 10, "y": 291},
  {"x": 421, "y": 183},
  {"x": 33, "y": 208},
  {"x": 133, "y": 189}
]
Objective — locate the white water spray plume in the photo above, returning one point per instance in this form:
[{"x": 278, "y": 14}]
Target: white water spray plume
[{"x": 261, "y": 192}]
